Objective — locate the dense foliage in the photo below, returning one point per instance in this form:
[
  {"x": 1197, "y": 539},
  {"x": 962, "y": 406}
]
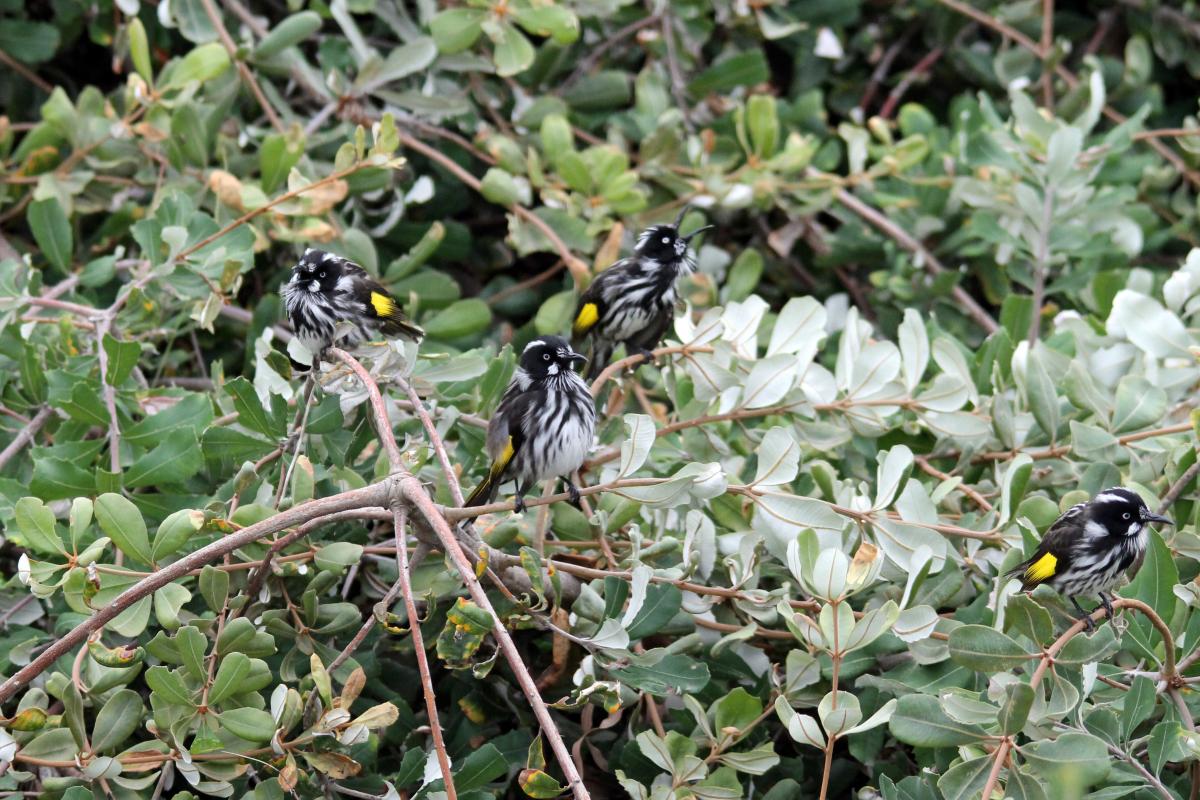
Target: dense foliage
[{"x": 950, "y": 292}]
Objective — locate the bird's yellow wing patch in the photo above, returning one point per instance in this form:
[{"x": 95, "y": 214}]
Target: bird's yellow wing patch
[
  {"x": 384, "y": 306},
  {"x": 1041, "y": 570},
  {"x": 505, "y": 456},
  {"x": 586, "y": 318}
]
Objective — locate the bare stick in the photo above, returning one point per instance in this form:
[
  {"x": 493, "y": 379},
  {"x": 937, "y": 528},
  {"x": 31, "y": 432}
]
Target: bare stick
[
  {"x": 435, "y": 441},
  {"x": 913, "y": 245},
  {"x": 306, "y": 406},
  {"x": 414, "y": 628},
  {"x": 110, "y": 396},
  {"x": 1172, "y": 494},
  {"x": 25, "y": 435},
  {"x": 243, "y": 70},
  {"x": 579, "y": 270}
]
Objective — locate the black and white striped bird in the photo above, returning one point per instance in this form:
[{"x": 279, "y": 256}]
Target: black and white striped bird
[
  {"x": 1088, "y": 548},
  {"x": 326, "y": 289},
  {"x": 633, "y": 301},
  {"x": 543, "y": 426}
]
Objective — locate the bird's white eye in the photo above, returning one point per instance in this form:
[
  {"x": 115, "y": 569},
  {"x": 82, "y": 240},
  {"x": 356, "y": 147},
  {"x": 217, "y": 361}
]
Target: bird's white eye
[
  {"x": 666, "y": 240},
  {"x": 545, "y": 356},
  {"x": 322, "y": 275},
  {"x": 1125, "y": 515}
]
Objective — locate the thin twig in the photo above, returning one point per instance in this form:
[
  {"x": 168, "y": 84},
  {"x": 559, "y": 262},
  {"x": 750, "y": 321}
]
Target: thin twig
[
  {"x": 595, "y": 54},
  {"x": 1178, "y": 487},
  {"x": 579, "y": 270},
  {"x": 913, "y": 245},
  {"x": 1041, "y": 263},
  {"x": 678, "y": 88},
  {"x": 414, "y": 629},
  {"x": 25, "y": 435},
  {"x": 1047, "y": 53},
  {"x": 110, "y": 396},
  {"x": 25, "y": 72},
  {"x": 897, "y": 93},
  {"x": 247, "y": 76}
]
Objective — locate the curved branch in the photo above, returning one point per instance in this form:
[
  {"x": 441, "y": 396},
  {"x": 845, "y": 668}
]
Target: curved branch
[
  {"x": 377, "y": 494},
  {"x": 1049, "y": 654}
]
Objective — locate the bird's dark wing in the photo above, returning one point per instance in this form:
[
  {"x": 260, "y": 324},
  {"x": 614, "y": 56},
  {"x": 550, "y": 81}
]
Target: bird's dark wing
[
  {"x": 593, "y": 305},
  {"x": 505, "y": 438},
  {"x": 1053, "y": 554},
  {"x": 378, "y": 302}
]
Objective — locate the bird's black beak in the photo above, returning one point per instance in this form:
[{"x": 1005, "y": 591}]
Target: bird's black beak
[
  {"x": 1151, "y": 517},
  {"x": 688, "y": 238},
  {"x": 577, "y": 360}
]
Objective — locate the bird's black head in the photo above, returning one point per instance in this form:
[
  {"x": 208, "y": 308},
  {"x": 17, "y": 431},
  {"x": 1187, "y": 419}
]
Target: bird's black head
[
  {"x": 663, "y": 244},
  {"x": 1123, "y": 512},
  {"x": 548, "y": 356},
  {"x": 318, "y": 271}
]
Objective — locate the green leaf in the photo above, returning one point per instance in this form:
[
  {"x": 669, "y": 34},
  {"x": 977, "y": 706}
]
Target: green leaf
[
  {"x": 122, "y": 522},
  {"x": 192, "y": 646},
  {"x": 233, "y": 670},
  {"x": 762, "y": 122},
  {"x": 139, "y": 49},
  {"x": 193, "y": 411},
  {"x": 251, "y": 413},
  {"x": 226, "y": 444},
  {"x": 554, "y": 21},
  {"x": 169, "y": 686},
  {"x": 214, "y": 587},
  {"x": 662, "y": 602},
  {"x": 337, "y": 556},
  {"x": 1071, "y": 762},
  {"x": 289, "y": 31},
  {"x": 501, "y": 188},
  {"x": 52, "y": 745},
  {"x": 674, "y": 673},
  {"x": 176, "y": 459},
  {"x": 456, "y": 29},
  {"x": 920, "y": 721},
  {"x": 512, "y": 53},
  {"x": 484, "y": 765},
  {"x": 122, "y": 358},
  {"x": 59, "y": 479},
  {"x": 743, "y": 69},
  {"x": 736, "y": 710},
  {"x": 205, "y": 62},
  {"x": 1025, "y": 617},
  {"x": 250, "y": 724},
  {"x": 1014, "y": 712},
  {"x": 463, "y": 318},
  {"x": 965, "y": 780},
  {"x": 1166, "y": 745},
  {"x": 537, "y": 784},
  {"x": 1137, "y": 705},
  {"x": 1138, "y": 404},
  {"x": 120, "y": 716},
  {"x": 278, "y": 154},
  {"x": 174, "y": 531},
  {"x": 28, "y": 41},
  {"x": 1089, "y": 649},
  {"x": 39, "y": 531},
  {"x": 985, "y": 649},
  {"x": 52, "y": 231}
]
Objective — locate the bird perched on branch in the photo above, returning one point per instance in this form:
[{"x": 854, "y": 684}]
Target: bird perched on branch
[
  {"x": 1088, "y": 548},
  {"x": 633, "y": 301},
  {"x": 326, "y": 289},
  {"x": 543, "y": 426}
]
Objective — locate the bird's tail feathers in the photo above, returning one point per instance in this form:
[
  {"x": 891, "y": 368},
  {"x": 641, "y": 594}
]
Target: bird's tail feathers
[
  {"x": 484, "y": 492},
  {"x": 403, "y": 328},
  {"x": 599, "y": 359}
]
